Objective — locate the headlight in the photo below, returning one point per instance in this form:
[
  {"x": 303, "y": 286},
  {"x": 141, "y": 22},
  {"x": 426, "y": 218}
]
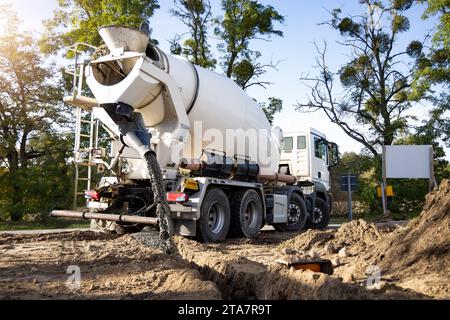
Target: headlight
[{"x": 309, "y": 189}]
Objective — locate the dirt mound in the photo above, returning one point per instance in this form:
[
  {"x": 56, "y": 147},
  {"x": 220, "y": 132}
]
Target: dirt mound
[
  {"x": 413, "y": 256},
  {"x": 424, "y": 245},
  {"x": 356, "y": 235},
  {"x": 308, "y": 240},
  {"x": 357, "y": 232}
]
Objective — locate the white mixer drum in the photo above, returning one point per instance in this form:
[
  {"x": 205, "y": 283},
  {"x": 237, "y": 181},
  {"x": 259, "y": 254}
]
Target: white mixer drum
[{"x": 221, "y": 115}]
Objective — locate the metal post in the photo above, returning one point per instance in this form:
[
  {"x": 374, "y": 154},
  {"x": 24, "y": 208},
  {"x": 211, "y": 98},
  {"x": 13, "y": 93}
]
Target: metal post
[
  {"x": 383, "y": 198},
  {"x": 76, "y": 155},
  {"x": 433, "y": 183},
  {"x": 74, "y": 93},
  {"x": 91, "y": 146},
  {"x": 80, "y": 79},
  {"x": 384, "y": 183},
  {"x": 349, "y": 191}
]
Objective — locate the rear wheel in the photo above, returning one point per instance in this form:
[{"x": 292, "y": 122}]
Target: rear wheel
[
  {"x": 320, "y": 218},
  {"x": 214, "y": 219},
  {"x": 246, "y": 214},
  {"x": 297, "y": 215}
]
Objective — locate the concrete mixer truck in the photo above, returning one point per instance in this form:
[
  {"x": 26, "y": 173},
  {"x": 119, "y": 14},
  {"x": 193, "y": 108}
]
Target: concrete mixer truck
[{"x": 190, "y": 150}]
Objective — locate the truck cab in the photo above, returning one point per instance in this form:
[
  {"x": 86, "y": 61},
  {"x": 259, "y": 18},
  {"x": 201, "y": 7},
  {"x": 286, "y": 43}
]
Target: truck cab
[{"x": 308, "y": 155}]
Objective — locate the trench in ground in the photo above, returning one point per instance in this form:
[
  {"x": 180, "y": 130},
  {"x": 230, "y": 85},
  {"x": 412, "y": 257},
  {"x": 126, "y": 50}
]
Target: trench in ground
[{"x": 240, "y": 278}]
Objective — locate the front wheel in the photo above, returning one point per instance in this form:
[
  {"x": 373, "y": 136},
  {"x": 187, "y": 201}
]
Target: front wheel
[
  {"x": 297, "y": 215},
  {"x": 214, "y": 219},
  {"x": 320, "y": 218}
]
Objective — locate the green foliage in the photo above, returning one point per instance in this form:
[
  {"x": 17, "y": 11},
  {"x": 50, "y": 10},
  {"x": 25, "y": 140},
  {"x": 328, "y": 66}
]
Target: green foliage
[
  {"x": 196, "y": 15},
  {"x": 79, "y": 20},
  {"x": 377, "y": 91},
  {"x": 439, "y": 8},
  {"x": 243, "y": 72},
  {"x": 402, "y": 4},
  {"x": 365, "y": 166},
  {"x": 274, "y": 106},
  {"x": 32, "y": 153},
  {"x": 248, "y": 71},
  {"x": 243, "y": 21},
  {"x": 45, "y": 184},
  {"x": 433, "y": 68},
  {"x": 409, "y": 194}
]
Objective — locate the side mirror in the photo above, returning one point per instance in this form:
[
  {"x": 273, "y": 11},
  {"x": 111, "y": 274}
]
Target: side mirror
[{"x": 333, "y": 153}]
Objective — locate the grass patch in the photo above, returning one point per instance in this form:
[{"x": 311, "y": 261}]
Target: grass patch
[{"x": 56, "y": 223}]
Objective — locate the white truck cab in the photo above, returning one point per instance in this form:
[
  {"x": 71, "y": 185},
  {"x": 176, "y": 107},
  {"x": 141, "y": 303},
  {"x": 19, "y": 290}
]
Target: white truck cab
[{"x": 308, "y": 155}]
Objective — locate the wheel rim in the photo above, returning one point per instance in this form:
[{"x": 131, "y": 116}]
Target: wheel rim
[
  {"x": 294, "y": 213},
  {"x": 251, "y": 214},
  {"x": 317, "y": 216},
  {"x": 216, "y": 217}
]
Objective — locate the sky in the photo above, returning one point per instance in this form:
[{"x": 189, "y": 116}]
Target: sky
[{"x": 295, "y": 51}]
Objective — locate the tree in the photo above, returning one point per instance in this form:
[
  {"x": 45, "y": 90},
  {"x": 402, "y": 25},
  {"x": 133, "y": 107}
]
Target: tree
[
  {"x": 196, "y": 15},
  {"x": 432, "y": 75},
  {"x": 376, "y": 82},
  {"x": 247, "y": 72},
  {"x": 274, "y": 106},
  {"x": 433, "y": 68},
  {"x": 364, "y": 165},
  {"x": 79, "y": 20},
  {"x": 30, "y": 107},
  {"x": 244, "y": 21}
]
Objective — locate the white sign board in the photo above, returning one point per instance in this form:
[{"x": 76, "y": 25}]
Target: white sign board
[{"x": 413, "y": 162}]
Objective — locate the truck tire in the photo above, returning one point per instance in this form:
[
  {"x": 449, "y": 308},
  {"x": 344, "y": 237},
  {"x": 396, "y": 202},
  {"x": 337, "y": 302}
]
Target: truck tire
[
  {"x": 297, "y": 215},
  {"x": 214, "y": 221},
  {"x": 320, "y": 217},
  {"x": 246, "y": 214}
]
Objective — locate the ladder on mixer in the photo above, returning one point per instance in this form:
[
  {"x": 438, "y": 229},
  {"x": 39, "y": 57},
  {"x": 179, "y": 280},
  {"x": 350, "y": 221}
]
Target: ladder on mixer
[
  {"x": 86, "y": 139},
  {"x": 86, "y": 127}
]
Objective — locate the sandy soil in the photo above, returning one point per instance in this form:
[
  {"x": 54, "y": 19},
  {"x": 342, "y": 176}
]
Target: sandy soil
[
  {"x": 372, "y": 261},
  {"x": 34, "y": 267}
]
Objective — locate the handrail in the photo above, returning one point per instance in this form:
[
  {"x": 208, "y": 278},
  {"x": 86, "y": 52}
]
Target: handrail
[{"x": 78, "y": 84}]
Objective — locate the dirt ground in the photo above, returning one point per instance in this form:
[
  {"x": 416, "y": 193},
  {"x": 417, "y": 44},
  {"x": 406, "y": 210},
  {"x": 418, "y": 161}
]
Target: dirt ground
[
  {"x": 371, "y": 261},
  {"x": 35, "y": 267}
]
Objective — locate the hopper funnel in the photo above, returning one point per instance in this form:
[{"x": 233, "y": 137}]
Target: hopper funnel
[{"x": 129, "y": 39}]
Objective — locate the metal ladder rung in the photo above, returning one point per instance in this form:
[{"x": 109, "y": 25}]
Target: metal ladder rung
[
  {"x": 86, "y": 121},
  {"x": 86, "y": 164},
  {"x": 85, "y": 135}
]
